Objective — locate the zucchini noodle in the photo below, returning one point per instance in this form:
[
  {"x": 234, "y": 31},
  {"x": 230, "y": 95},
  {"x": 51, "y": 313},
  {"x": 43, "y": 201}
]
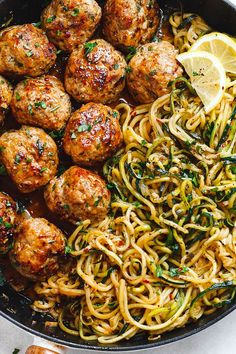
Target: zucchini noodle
[{"x": 166, "y": 254}]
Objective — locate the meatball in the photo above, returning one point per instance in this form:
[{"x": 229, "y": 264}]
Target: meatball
[
  {"x": 78, "y": 194},
  {"x": 69, "y": 23},
  {"x": 37, "y": 248},
  {"x": 95, "y": 72},
  {"x": 29, "y": 156},
  {"x": 25, "y": 50},
  {"x": 130, "y": 23},
  {"x": 6, "y": 92},
  {"x": 42, "y": 102},
  {"x": 151, "y": 69},
  {"x": 92, "y": 134},
  {"x": 8, "y": 221}
]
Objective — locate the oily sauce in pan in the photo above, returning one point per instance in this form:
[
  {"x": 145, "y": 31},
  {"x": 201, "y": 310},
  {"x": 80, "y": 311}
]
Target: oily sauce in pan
[{"x": 33, "y": 203}]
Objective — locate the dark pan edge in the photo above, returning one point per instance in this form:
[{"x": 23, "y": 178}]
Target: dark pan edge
[
  {"x": 131, "y": 347},
  {"x": 120, "y": 349}
]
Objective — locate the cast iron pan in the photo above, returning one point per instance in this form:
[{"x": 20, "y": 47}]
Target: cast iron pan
[{"x": 221, "y": 15}]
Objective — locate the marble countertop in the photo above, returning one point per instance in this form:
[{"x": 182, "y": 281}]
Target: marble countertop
[{"x": 218, "y": 339}]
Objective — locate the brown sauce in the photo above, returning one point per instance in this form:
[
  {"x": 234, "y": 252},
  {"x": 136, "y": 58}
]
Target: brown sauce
[{"x": 34, "y": 202}]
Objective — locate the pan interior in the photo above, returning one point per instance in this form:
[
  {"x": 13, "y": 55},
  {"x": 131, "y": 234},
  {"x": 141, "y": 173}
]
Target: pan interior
[{"x": 15, "y": 307}]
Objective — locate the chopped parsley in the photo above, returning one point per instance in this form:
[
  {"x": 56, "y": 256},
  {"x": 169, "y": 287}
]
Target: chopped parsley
[
  {"x": 17, "y": 159},
  {"x": 36, "y": 24},
  {"x": 16, "y": 351},
  {"x": 73, "y": 136},
  {"x": 175, "y": 272},
  {"x": 195, "y": 73},
  {"x": 143, "y": 142},
  {"x": 128, "y": 69},
  {"x": 50, "y": 19},
  {"x": 75, "y": 12},
  {"x": 29, "y": 53},
  {"x": 159, "y": 271},
  {"x": 43, "y": 169},
  {"x": 116, "y": 66},
  {"x": 84, "y": 128},
  {"x": 40, "y": 104},
  {"x": 89, "y": 47},
  {"x": 132, "y": 51},
  {"x": 97, "y": 201},
  {"x": 66, "y": 207},
  {"x": 68, "y": 249},
  {"x": 58, "y": 32},
  {"x": 18, "y": 98},
  {"x": 30, "y": 109}
]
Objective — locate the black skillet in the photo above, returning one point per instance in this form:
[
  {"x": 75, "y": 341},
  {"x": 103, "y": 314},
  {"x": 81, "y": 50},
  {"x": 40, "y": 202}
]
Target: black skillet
[{"x": 221, "y": 15}]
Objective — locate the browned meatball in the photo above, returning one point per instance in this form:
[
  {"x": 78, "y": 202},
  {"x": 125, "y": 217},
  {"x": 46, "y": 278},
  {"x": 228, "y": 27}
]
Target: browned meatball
[
  {"x": 29, "y": 156},
  {"x": 130, "y": 22},
  {"x": 92, "y": 134},
  {"x": 8, "y": 221},
  {"x": 37, "y": 248},
  {"x": 95, "y": 72},
  {"x": 69, "y": 23},
  {"x": 42, "y": 102},
  {"x": 151, "y": 69},
  {"x": 78, "y": 194},
  {"x": 25, "y": 50},
  {"x": 6, "y": 92}
]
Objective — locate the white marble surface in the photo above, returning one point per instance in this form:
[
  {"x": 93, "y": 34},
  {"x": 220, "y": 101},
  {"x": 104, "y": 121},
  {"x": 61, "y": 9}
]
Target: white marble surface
[{"x": 218, "y": 339}]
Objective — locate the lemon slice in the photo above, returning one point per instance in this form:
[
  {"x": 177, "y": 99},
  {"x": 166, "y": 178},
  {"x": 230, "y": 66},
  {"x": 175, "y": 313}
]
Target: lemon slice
[
  {"x": 222, "y": 46},
  {"x": 207, "y": 76}
]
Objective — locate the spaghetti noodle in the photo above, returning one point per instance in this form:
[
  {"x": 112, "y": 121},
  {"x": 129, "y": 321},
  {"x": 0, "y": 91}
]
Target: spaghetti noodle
[{"x": 166, "y": 254}]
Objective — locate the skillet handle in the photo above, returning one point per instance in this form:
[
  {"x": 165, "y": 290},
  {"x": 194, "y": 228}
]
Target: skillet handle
[
  {"x": 34, "y": 349},
  {"x": 42, "y": 346}
]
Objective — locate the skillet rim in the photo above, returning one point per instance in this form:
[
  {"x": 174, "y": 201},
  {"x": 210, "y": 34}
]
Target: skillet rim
[{"x": 132, "y": 347}]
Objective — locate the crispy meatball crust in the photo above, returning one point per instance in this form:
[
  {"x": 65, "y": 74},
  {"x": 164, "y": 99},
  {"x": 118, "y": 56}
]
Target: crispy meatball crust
[
  {"x": 130, "y": 22},
  {"x": 151, "y": 69},
  {"x": 69, "y": 23},
  {"x": 92, "y": 134},
  {"x": 78, "y": 194},
  {"x": 37, "y": 248},
  {"x": 8, "y": 222},
  {"x": 25, "y": 50},
  {"x": 42, "y": 102},
  {"x": 6, "y": 92},
  {"x": 29, "y": 156},
  {"x": 95, "y": 72}
]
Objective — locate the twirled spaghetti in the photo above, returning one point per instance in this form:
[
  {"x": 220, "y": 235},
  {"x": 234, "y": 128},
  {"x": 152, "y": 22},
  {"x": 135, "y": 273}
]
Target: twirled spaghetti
[{"x": 166, "y": 255}]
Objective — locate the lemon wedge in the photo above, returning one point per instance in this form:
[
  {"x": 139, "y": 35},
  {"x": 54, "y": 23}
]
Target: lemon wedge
[
  {"x": 207, "y": 76},
  {"x": 220, "y": 45}
]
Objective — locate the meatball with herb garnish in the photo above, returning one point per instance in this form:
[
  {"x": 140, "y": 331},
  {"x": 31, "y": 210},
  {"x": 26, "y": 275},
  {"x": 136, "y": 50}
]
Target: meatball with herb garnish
[
  {"x": 93, "y": 134},
  {"x": 25, "y": 50},
  {"x": 37, "y": 248},
  {"x": 8, "y": 222},
  {"x": 151, "y": 69},
  {"x": 95, "y": 72},
  {"x": 29, "y": 156},
  {"x": 42, "y": 102},
  {"x": 77, "y": 195},
  {"x": 69, "y": 23},
  {"x": 129, "y": 23},
  {"x": 6, "y": 92}
]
